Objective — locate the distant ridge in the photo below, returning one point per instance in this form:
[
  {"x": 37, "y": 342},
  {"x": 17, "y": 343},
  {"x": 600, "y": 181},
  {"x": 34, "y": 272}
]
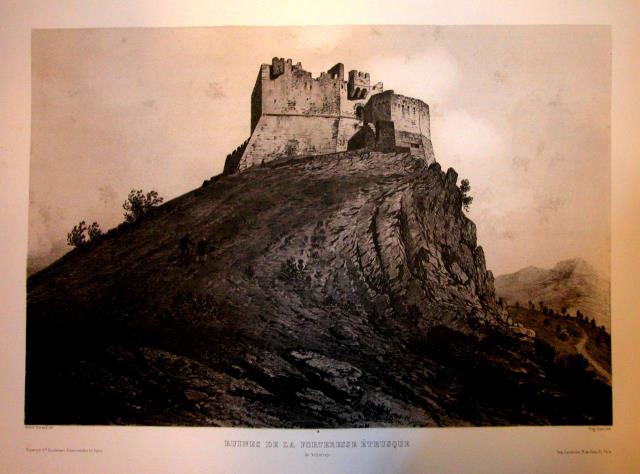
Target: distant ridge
[{"x": 571, "y": 283}]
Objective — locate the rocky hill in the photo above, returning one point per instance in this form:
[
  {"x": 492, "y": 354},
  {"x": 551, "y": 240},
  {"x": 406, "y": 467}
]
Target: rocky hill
[
  {"x": 339, "y": 290},
  {"x": 572, "y": 284}
]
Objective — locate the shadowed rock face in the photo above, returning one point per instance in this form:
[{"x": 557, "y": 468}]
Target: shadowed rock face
[{"x": 315, "y": 307}]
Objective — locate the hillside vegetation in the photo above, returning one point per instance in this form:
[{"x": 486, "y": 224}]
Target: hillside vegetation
[
  {"x": 571, "y": 285},
  {"x": 345, "y": 290}
]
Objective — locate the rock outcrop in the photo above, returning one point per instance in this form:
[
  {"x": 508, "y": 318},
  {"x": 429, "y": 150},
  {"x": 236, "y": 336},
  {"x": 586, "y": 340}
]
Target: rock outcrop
[{"x": 339, "y": 290}]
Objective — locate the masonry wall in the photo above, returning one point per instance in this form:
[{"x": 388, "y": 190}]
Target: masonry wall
[
  {"x": 256, "y": 97},
  {"x": 409, "y": 114},
  {"x": 378, "y": 108},
  {"x": 347, "y": 128},
  {"x": 385, "y": 136},
  {"x": 297, "y": 93},
  {"x": 279, "y": 136},
  {"x": 294, "y": 114}
]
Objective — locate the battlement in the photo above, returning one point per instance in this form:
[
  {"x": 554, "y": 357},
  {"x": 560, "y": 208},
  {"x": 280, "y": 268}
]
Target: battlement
[
  {"x": 359, "y": 85},
  {"x": 295, "y": 114},
  {"x": 406, "y": 112},
  {"x": 337, "y": 72}
]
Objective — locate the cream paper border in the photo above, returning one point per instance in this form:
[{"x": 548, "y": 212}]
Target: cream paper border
[{"x": 140, "y": 449}]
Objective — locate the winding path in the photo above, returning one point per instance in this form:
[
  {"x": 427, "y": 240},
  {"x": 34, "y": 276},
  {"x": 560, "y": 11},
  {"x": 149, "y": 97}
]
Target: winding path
[{"x": 581, "y": 348}]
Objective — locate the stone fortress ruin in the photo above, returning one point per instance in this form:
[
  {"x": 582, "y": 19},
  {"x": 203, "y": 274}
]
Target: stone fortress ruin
[{"x": 294, "y": 114}]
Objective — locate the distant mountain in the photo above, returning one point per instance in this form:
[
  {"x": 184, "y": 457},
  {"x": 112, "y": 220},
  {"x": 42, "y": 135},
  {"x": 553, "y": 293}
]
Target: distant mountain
[{"x": 572, "y": 283}]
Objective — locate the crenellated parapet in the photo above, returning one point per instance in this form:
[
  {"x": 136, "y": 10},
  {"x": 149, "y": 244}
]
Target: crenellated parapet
[
  {"x": 359, "y": 85},
  {"x": 296, "y": 114}
]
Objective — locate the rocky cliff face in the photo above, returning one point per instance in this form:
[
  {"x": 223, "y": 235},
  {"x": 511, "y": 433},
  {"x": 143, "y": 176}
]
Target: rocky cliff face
[{"x": 341, "y": 290}]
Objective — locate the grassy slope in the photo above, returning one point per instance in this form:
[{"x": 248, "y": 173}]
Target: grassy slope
[
  {"x": 115, "y": 334},
  {"x": 571, "y": 284},
  {"x": 575, "y": 331}
]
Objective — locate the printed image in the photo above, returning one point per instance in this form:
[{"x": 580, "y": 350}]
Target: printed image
[{"x": 336, "y": 227}]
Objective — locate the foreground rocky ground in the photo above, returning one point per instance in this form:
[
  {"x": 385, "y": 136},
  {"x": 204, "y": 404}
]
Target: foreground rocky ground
[{"x": 339, "y": 291}]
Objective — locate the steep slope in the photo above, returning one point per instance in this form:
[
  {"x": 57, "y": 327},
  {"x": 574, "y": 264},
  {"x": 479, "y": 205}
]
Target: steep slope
[
  {"x": 571, "y": 284},
  {"x": 341, "y": 290}
]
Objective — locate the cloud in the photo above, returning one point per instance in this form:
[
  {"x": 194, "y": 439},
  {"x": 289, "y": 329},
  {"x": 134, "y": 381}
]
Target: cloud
[
  {"x": 557, "y": 100},
  {"x": 317, "y": 38},
  {"x": 520, "y": 163},
  {"x": 547, "y": 206},
  {"x": 432, "y": 75},
  {"x": 107, "y": 194},
  {"x": 214, "y": 91},
  {"x": 500, "y": 77},
  {"x": 459, "y": 133}
]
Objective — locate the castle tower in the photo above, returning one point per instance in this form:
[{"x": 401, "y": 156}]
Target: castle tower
[
  {"x": 359, "y": 85},
  {"x": 401, "y": 123},
  {"x": 295, "y": 114}
]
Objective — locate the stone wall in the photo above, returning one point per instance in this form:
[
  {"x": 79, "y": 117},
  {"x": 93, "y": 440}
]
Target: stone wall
[
  {"x": 347, "y": 128},
  {"x": 385, "y": 136},
  {"x": 232, "y": 162},
  {"x": 295, "y": 92},
  {"x": 256, "y": 96},
  {"x": 415, "y": 143},
  {"x": 295, "y": 114},
  {"x": 409, "y": 114},
  {"x": 410, "y": 120},
  {"x": 279, "y": 136},
  {"x": 359, "y": 85},
  {"x": 378, "y": 108}
]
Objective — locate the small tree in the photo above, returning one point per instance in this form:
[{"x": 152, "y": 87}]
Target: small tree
[
  {"x": 94, "y": 232},
  {"x": 138, "y": 204},
  {"x": 466, "y": 199},
  {"x": 76, "y": 237}
]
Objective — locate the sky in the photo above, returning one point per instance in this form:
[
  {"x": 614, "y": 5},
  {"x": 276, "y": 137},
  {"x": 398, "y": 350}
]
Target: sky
[{"x": 523, "y": 112}]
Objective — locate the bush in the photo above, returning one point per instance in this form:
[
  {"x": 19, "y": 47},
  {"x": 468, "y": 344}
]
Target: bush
[
  {"x": 291, "y": 271},
  {"x": 76, "y": 237},
  {"x": 139, "y": 204},
  {"x": 466, "y": 199},
  {"x": 94, "y": 232}
]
